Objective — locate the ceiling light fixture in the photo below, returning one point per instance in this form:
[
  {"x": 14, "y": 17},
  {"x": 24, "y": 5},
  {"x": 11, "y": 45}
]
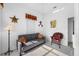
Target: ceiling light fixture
[{"x": 58, "y": 10}]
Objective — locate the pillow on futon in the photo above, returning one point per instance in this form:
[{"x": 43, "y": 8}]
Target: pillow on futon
[
  {"x": 23, "y": 39},
  {"x": 40, "y": 36}
]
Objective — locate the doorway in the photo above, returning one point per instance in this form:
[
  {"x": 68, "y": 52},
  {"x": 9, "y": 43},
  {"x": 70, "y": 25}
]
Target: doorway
[{"x": 70, "y": 31}]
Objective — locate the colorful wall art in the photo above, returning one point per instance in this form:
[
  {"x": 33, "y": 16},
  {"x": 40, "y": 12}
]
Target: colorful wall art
[
  {"x": 31, "y": 17},
  {"x": 53, "y": 24}
]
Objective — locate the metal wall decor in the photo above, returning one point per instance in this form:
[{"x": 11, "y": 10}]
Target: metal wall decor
[
  {"x": 40, "y": 24},
  {"x": 14, "y": 19}
]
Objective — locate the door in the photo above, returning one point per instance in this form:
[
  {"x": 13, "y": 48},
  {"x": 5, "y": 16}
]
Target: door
[{"x": 70, "y": 31}]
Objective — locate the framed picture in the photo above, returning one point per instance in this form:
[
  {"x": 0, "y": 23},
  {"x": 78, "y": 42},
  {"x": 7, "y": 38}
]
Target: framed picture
[{"x": 53, "y": 24}]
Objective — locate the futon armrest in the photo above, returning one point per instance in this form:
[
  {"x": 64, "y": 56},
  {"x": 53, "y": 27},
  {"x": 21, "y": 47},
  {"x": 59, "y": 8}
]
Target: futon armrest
[
  {"x": 18, "y": 45},
  {"x": 19, "y": 48}
]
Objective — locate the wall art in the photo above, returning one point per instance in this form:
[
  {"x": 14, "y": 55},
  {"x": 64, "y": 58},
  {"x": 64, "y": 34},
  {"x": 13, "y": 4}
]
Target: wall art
[
  {"x": 53, "y": 24},
  {"x": 31, "y": 17},
  {"x": 40, "y": 24}
]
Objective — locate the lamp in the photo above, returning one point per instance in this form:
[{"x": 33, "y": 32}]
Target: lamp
[{"x": 9, "y": 28}]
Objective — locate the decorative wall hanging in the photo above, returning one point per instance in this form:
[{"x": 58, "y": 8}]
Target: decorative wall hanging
[
  {"x": 29, "y": 16},
  {"x": 14, "y": 19},
  {"x": 40, "y": 24},
  {"x": 53, "y": 24}
]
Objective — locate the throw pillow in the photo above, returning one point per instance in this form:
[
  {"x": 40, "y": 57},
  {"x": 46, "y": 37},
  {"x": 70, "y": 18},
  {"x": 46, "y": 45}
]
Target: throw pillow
[
  {"x": 40, "y": 36},
  {"x": 23, "y": 39}
]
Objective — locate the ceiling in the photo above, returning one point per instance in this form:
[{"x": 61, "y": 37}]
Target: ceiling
[{"x": 42, "y": 7}]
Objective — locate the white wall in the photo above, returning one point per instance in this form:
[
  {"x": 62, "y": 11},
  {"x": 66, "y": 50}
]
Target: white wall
[
  {"x": 61, "y": 23},
  {"x": 24, "y": 26},
  {"x": 76, "y": 39}
]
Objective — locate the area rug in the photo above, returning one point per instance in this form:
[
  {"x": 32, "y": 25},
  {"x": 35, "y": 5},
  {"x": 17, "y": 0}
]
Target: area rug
[
  {"x": 42, "y": 50},
  {"x": 45, "y": 51}
]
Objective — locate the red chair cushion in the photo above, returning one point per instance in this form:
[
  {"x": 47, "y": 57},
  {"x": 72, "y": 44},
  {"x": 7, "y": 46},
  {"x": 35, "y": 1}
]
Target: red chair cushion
[{"x": 57, "y": 37}]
